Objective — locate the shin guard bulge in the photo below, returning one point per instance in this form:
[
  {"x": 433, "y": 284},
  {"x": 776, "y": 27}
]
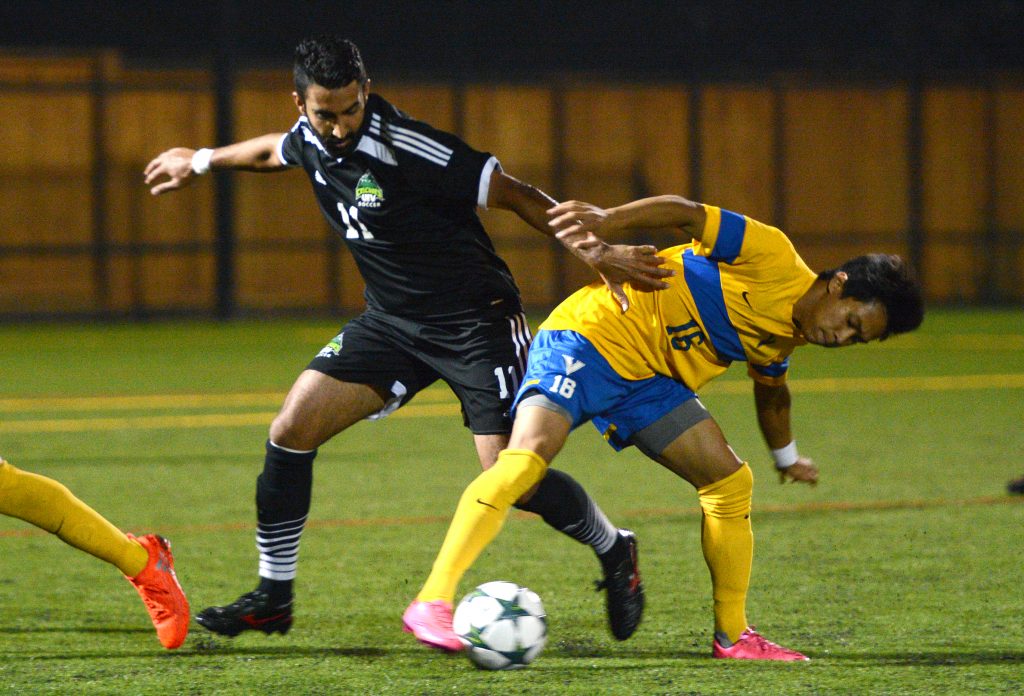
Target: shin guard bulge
[
  {"x": 481, "y": 512},
  {"x": 728, "y": 544}
]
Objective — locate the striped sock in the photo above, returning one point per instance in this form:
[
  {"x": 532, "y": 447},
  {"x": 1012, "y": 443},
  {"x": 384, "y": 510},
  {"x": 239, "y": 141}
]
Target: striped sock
[
  {"x": 561, "y": 502},
  {"x": 283, "y": 494}
]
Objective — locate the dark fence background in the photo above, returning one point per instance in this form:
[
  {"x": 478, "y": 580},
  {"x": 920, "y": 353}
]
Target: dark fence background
[{"x": 894, "y": 127}]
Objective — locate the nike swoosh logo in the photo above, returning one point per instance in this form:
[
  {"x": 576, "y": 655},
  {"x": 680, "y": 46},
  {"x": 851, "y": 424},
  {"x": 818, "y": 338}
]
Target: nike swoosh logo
[
  {"x": 257, "y": 622},
  {"x": 744, "y": 294},
  {"x": 487, "y": 504}
]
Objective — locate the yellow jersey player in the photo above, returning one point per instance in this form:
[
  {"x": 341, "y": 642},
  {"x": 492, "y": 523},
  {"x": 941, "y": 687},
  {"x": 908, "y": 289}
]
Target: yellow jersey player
[
  {"x": 146, "y": 561},
  {"x": 740, "y": 292}
]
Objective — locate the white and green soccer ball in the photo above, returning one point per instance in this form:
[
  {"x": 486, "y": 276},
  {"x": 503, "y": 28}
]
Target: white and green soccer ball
[{"x": 502, "y": 624}]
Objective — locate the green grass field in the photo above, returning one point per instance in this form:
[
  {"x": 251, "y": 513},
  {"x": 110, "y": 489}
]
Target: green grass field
[{"x": 900, "y": 573}]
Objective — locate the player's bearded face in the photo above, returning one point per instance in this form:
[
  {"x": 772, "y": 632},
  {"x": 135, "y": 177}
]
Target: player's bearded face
[{"x": 335, "y": 114}]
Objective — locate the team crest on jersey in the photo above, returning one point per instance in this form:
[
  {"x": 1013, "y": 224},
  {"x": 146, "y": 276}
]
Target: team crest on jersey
[
  {"x": 572, "y": 364},
  {"x": 369, "y": 194},
  {"x": 332, "y": 348}
]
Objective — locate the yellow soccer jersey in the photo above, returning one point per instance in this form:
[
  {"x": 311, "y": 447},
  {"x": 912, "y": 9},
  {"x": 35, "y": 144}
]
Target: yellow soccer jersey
[{"x": 731, "y": 299}]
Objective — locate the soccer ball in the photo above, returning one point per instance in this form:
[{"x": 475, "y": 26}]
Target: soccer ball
[{"x": 502, "y": 624}]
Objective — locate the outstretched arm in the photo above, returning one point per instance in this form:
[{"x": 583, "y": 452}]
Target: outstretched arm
[
  {"x": 616, "y": 263},
  {"x": 773, "y": 408},
  {"x": 173, "y": 169},
  {"x": 575, "y": 218}
]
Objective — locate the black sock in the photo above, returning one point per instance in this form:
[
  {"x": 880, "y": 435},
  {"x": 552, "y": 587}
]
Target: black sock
[
  {"x": 283, "y": 494},
  {"x": 561, "y": 502},
  {"x": 279, "y": 591}
]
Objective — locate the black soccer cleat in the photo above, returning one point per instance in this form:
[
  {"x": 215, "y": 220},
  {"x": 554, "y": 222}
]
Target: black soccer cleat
[
  {"x": 1016, "y": 487},
  {"x": 625, "y": 589},
  {"x": 250, "y": 612}
]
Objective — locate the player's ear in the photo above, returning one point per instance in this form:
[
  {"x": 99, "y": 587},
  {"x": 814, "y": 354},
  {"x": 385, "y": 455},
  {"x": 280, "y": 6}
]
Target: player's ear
[
  {"x": 837, "y": 282},
  {"x": 300, "y": 103}
]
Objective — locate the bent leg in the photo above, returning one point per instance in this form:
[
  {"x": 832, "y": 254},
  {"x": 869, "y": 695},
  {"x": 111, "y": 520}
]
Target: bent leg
[
  {"x": 727, "y": 541},
  {"x": 49, "y": 505},
  {"x": 317, "y": 408},
  {"x": 724, "y": 487},
  {"x": 537, "y": 436}
]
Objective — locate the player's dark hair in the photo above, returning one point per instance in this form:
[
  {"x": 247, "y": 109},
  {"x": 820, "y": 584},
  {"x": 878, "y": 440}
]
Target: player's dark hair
[
  {"x": 329, "y": 61},
  {"x": 884, "y": 278}
]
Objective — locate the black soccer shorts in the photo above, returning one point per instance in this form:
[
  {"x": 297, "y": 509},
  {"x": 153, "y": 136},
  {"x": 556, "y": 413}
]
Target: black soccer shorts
[{"x": 481, "y": 359}]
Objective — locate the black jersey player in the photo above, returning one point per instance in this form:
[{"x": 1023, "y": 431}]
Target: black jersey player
[{"x": 440, "y": 304}]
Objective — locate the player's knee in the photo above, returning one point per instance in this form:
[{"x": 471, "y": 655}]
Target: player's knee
[
  {"x": 729, "y": 496},
  {"x": 288, "y": 431},
  {"x": 515, "y": 473},
  {"x": 727, "y": 469}
]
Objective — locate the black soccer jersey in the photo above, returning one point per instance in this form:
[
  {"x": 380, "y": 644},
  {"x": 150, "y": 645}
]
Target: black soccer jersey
[{"x": 405, "y": 202}]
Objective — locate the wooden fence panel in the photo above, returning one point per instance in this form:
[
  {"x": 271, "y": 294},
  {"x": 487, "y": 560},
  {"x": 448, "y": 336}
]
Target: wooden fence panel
[
  {"x": 46, "y": 126},
  {"x": 1009, "y": 191},
  {"x": 846, "y": 161},
  {"x": 955, "y": 178},
  {"x": 282, "y": 279},
  {"x": 434, "y": 104},
  {"x": 661, "y": 146},
  {"x": 47, "y": 282},
  {"x": 738, "y": 150},
  {"x": 278, "y": 226},
  {"x": 1009, "y": 159},
  {"x": 46, "y": 164},
  {"x": 515, "y": 124},
  {"x": 845, "y": 183}
]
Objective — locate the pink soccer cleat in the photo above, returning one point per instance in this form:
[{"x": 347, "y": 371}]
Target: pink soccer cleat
[
  {"x": 753, "y": 646},
  {"x": 431, "y": 623}
]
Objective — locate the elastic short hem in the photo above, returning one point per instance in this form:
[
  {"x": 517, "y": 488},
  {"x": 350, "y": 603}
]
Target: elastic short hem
[{"x": 657, "y": 436}]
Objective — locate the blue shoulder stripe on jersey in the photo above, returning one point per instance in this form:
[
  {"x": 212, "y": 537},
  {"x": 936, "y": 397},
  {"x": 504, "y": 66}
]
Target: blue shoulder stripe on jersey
[
  {"x": 774, "y": 370},
  {"x": 705, "y": 283},
  {"x": 730, "y": 237}
]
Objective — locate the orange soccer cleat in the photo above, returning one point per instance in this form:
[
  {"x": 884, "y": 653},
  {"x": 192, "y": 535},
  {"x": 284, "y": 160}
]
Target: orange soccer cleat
[{"x": 158, "y": 586}]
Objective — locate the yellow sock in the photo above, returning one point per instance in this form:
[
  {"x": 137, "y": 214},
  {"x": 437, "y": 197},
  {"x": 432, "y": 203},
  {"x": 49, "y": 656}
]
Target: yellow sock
[
  {"x": 478, "y": 519},
  {"x": 49, "y": 505},
  {"x": 728, "y": 545}
]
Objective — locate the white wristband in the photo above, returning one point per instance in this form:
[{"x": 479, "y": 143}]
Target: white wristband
[
  {"x": 201, "y": 160},
  {"x": 785, "y": 457}
]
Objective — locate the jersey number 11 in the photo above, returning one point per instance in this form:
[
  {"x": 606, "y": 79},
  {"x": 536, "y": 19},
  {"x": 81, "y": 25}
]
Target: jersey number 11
[{"x": 354, "y": 227}]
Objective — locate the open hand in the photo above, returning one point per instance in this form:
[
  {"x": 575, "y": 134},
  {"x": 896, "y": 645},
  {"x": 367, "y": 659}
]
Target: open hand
[
  {"x": 175, "y": 165},
  {"x": 576, "y": 225}
]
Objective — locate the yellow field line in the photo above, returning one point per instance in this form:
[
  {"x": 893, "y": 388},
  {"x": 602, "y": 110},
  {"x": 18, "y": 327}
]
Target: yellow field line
[
  {"x": 648, "y": 513},
  {"x": 77, "y": 425},
  {"x": 882, "y": 384},
  {"x": 153, "y": 401},
  {"x": 1012, "y": 341},
  {"x": 208, "y": 420},
  {"x": 437, "y": 402},
  {"x": 440, "y": 395}
]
